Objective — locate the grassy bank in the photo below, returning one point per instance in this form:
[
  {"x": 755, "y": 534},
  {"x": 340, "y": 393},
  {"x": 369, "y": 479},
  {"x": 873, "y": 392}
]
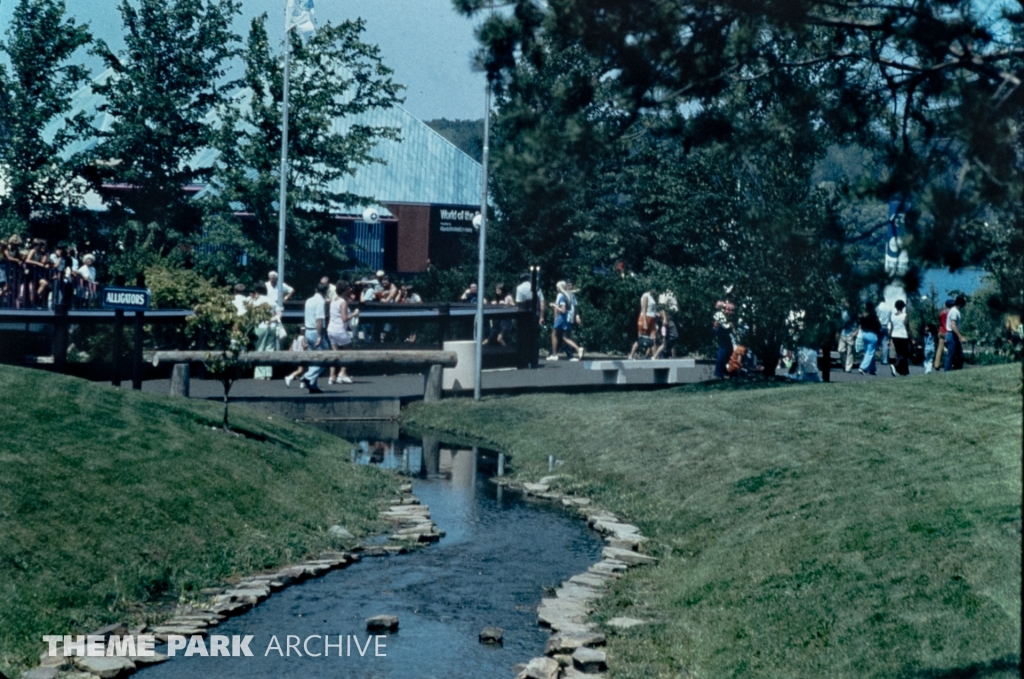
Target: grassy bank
[
  {"x": 855, "y": 530},
  {"x": 111, "y": 498}
]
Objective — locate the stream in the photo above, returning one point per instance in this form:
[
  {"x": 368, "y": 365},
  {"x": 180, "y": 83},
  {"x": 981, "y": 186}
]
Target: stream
[{"x": 491, "y": 569}]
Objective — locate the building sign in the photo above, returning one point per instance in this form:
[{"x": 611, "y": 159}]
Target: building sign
[
  {"x": 451, "y": 234},
  {"x": 128, "y": 299}
]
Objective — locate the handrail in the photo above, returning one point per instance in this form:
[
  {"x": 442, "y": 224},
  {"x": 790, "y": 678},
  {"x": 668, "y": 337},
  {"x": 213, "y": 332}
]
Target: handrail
[{"x": 408, "y": 358}]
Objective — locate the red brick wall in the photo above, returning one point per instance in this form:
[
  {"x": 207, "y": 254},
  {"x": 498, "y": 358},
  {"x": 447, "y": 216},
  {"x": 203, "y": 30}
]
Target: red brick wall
[{"x": 413, "y": 235}]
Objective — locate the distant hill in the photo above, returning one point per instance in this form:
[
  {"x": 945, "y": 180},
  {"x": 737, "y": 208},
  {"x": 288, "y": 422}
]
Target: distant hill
[{"x": 468, "y": 135}]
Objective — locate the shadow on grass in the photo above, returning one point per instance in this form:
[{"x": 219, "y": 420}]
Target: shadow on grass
[{"x": 1007, "y": 666}]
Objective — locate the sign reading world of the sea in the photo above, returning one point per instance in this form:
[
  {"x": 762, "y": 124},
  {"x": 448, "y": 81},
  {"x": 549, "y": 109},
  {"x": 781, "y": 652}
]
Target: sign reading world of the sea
[{"x": 128, "y": 299}]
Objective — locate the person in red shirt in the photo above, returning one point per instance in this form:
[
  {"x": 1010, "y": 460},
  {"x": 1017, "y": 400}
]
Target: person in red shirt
[{"x": 942, "y": 334}]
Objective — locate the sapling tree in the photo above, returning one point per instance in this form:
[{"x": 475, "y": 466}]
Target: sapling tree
[{"x": 231, "y": 336}]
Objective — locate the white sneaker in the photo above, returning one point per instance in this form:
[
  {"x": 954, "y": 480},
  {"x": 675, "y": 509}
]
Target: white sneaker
[
  {"x": 331, "y": 381},
  {"x": 345, "y": 379},
  {"x": 574, "y": 359},
  {"x": 288, "y": 381},
  {"x": 553, "y": 357}
]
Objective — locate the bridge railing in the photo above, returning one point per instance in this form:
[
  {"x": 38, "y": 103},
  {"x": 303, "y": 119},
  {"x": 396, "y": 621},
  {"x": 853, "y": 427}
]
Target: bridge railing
[{"x": 402, "y": 327}]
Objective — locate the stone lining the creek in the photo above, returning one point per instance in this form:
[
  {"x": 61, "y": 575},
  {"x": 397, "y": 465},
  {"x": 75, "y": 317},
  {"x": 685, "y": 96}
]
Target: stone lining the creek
[
  {"x": 572, "y": 651},
  {"x": 412, "y": 527}
]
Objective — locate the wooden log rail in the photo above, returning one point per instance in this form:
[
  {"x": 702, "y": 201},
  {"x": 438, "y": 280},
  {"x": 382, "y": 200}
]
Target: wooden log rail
[{"x": 429, "y": 362}]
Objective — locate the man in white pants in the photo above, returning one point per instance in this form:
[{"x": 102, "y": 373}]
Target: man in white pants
[{"x": 316, "y": 335}]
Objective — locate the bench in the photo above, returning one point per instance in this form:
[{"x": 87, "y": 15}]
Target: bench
[
  {"x": 666, "y": 371},
  {"x": 430, "y": 363}
]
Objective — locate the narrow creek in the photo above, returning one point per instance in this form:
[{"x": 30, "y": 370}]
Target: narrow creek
[{"x": 491, "y": 569}]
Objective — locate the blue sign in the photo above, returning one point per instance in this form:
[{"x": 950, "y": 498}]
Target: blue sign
[{"x": 128, "y": 299}]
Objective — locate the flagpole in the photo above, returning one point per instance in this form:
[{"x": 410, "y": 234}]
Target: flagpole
[
  {"x": 483, "y": 246},
  {"x": 282, "y": 198}
]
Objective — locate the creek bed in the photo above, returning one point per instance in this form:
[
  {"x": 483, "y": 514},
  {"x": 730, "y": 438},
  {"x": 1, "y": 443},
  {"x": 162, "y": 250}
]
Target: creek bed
[{"x": 492, "y": 567}]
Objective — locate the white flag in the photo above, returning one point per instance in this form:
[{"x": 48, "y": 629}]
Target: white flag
[{"x": 299, "y": 14}]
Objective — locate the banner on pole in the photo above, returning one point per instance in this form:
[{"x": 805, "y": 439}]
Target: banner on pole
[{"x": 299, "y": 15}]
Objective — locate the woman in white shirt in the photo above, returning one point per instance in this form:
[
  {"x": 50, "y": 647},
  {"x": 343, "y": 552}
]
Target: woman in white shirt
[
  {"x": 337, "y": 329},
  {"x": 899, "y": 331}
]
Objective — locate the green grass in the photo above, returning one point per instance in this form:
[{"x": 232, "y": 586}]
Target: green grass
[
  {"x": 856, "y": 530},
  {"x": 111, "y": 498}
]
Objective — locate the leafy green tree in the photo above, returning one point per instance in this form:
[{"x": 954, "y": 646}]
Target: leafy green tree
[
  {"x": 931, "y": 87},
  {"x": 230, "y": 335},
  {"x": 334, "y": 76},
  {"x": 552, "y": 163},
  {"x": 40, "y": 43},
  {"x": 161, "y": 92}
]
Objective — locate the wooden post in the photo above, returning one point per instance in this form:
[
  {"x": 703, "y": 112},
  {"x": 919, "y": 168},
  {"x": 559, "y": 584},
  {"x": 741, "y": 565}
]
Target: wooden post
[
  {"x": 60, "y": 338},
  {"x": 137, "y": 351},
  {"x": 140, "y": 281},
  {"x": 432, "y": 384},
  {"x": 118, "y": 338},
  {"x": 180, "y": 380}
]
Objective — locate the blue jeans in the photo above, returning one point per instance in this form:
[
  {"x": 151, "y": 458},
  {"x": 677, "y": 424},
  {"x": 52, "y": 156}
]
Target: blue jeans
[
  {"x": 314, "y": 370},
  {"x": 870, "y": 344},
  {"x": 883, "y": 339},
  {"x": 954, "y": 352},
  {"x": 722, "y": 361}
]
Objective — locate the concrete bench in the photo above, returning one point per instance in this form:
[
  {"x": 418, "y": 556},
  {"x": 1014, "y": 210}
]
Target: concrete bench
[{"x": 666, "y": 371}]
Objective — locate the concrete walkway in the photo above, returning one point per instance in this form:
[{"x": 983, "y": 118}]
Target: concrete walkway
[{"x": 551, "y": 375}]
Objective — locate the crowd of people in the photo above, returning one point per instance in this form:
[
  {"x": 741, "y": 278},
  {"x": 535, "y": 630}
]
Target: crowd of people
[
  {"x": 32, "y": 276},
  {"x": 880, "y": 325}
]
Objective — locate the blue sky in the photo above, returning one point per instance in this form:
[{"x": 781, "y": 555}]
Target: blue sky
[{"x": 427, "y": 44}]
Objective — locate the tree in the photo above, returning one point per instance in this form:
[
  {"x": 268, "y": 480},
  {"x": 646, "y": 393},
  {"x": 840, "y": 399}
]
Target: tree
[
  {"x": 551, "y": 161},
  {"x": 932, "y": 87},
  {"x": 161, "y": 92},
  {"x": 231, "y": 335},
  {"x": 40, "y": 42},
  {"x": 468, "y": 135},
  {"x": 334, "y": 77}
]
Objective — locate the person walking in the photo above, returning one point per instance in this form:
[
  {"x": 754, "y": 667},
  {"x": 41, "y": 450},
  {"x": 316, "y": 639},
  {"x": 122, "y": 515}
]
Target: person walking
[
  {"x": 929, "y": 347},
  {"x": 954, "y": 337},
  {"x": 870, "y": 331},
  {"x": 298, "y": 344},
  {"x": 722, "y": 327},
  {"x": 669, "y": 334},
  {"x": 848, "y": 338},
  {"x": 337, "y": 329},
  {"x": 884, "y": 313},
  {"x": 314, "y": 317},
  {"x": 646, "y": 325},
  {"x": 267, "y": 333},
  {"x": 565, "y": 316},
  {"x": 899, "y": 331},
  {"x": 943, "y": 315}
]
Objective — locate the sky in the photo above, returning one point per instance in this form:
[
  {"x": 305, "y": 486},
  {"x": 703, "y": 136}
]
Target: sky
[{"x": 426, "y": 43}]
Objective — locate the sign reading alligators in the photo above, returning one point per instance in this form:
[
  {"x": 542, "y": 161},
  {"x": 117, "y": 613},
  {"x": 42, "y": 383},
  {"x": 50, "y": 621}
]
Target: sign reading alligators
[{"x": 128, "y": 299}]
